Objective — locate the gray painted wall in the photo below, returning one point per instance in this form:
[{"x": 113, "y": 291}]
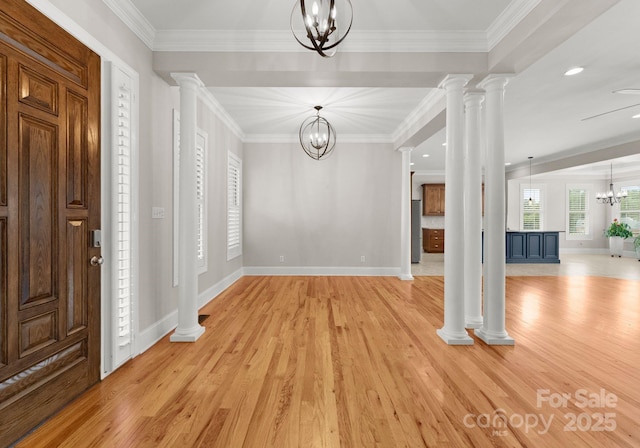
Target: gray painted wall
[{"x": 324, "y": 213}]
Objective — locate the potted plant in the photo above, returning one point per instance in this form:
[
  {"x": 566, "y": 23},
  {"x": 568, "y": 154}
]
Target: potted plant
[
  {"x": 636, "y": 245},
  {"x": 617, "y": 233}
]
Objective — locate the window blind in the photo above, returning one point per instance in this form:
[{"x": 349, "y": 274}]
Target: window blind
[
  {"x": 630, "y": 209},
  {"x": 531, "y": 213},
  {"x": 578, "y": 212}
]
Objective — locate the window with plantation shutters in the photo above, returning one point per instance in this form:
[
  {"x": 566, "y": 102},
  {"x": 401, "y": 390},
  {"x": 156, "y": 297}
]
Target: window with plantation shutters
[
  {"x": 531, "y": 217},
  {"x": 630, "y": 208},
  {"x": 201, "y": 203},
  {"x": 234, "y": 206},
  {"x": 123, "y": 167},
  {"x": 578, "y": 214},
  {"x": 201, "y": 199}
]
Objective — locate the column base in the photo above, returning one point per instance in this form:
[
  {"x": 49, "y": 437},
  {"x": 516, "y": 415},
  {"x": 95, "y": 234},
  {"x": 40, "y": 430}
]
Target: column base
[
  {"x": 405, "y": 277},
  {"x": 491, "y": 338},
  {"x": 188, "y": 335},
  {"x": 455, "y": 339},
  {"x": 473, "y": 322}
]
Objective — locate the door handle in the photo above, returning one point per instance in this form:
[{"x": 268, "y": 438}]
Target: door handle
[{"x": 96, "y": 260}]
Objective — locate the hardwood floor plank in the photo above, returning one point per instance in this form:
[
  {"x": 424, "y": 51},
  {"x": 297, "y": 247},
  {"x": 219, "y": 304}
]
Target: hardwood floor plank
[{"x": 355, "y": 362}]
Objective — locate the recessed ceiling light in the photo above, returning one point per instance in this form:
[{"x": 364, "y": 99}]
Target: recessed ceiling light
[
  {"x": 636, "y": 116},
  {"x": 573, "y": 71},
  {"x": 425, "y": 155},
  {"x": 444, "y": 144},
  {"x": 507, "y": 164},
  {"x": 412, "y": 164}
]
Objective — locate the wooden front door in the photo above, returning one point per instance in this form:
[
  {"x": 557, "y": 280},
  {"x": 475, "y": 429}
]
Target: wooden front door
[{"x": 49, "y": 204}]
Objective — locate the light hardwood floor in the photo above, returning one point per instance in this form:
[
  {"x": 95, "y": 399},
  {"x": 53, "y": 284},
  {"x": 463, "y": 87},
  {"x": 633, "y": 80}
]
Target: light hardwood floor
[{"x": 355, "y": 362}]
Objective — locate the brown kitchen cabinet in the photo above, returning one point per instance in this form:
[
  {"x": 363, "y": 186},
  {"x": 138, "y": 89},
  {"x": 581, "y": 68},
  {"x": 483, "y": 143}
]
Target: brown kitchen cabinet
[
  {"x": 433, "y": 200},
  {"x": 433, "y": 240}
]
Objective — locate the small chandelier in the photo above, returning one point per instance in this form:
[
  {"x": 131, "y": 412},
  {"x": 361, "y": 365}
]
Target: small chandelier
[
  {"x": 314, "y": 24},
  {"x": 317, "y": 136},
  {"x": 609, "y": 197}
]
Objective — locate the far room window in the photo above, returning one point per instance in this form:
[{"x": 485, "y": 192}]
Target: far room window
[
  {"x": 578, "y": 214},
  {"x": 234, "y": 206},
  {"x": 531, "y": 217},
  {"x": 630, "y": 209}
]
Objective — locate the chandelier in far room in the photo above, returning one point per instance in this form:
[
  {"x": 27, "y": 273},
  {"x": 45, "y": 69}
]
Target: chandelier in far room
[
  {"x": 317, "y": 136},
  {"x": 609, "y": 197},
  {"x": 320, "y": 25}
]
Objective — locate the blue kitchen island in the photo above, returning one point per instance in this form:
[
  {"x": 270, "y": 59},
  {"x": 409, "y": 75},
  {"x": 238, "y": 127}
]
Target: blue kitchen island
[{"x": 533, "y": 247}]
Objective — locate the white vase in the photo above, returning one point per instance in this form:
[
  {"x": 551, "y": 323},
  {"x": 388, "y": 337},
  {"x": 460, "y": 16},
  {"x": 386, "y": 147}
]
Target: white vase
[{"x": 616, "y": 244}]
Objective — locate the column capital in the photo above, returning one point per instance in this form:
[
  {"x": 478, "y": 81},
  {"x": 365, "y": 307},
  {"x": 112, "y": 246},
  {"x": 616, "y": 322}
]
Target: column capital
[
  {"x": 495, "y": 81},
  {"x": 186, "y": 78},
  {"x": 474, "y": 98},
  {"x": 456, "y": 80},
  {"x": 406, "y": 149}
]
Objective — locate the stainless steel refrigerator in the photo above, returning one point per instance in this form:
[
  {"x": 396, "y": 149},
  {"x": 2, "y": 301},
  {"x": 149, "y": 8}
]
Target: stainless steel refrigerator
[{"x": 416, "y": 230}]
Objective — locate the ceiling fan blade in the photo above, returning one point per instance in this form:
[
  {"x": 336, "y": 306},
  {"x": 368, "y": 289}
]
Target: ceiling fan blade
[
  {"x": 610, "y": 112},
  {"x": 627, "y": 91}
]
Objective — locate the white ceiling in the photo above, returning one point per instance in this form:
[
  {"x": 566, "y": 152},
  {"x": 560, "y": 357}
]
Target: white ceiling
[
  {"x": 544, "y": 110},
  {"x": 373, "y": 15}
]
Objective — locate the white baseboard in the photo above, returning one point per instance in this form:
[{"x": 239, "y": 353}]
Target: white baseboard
[
  {"x": 585, "y": 251},
  {"x": 322, "y": 271},
  {"x": 602, "y": 251},
  {"x": 213, "y": 292},
  {"x": 149, "y": 337}
]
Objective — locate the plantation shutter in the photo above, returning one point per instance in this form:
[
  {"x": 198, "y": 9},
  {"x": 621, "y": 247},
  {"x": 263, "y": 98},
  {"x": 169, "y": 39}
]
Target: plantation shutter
[
  {"x": 201, "y": 200},
  {"x": 123, "y": 216},
  {"x": 234, "y": 208}
]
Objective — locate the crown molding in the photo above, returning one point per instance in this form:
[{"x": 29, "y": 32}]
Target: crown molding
[
  {"x": 214, "y": 105},
  {"x": 508, "y": 20},
  {"x": 430, "y": 101},
  {"x": 133, "y": 18}
]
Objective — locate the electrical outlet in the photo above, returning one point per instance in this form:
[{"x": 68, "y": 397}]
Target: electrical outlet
[
  {"x": 157, "y": 213},
  {"x": 281, "y": 258},
  {"x": 362, "y": 259}
]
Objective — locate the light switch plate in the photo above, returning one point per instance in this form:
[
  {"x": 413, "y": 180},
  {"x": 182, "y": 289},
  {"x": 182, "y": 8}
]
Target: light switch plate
[{"x": 157, "y": 212}]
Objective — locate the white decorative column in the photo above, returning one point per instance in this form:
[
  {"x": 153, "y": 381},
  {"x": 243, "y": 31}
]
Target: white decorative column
[
  {"x": 453, "y": 332},
  {"x": 405, "y": 216},
  {"x": 473, "y": 211},
  {"x": 493, "y": 327},
  {"x": 189, "y": 330}
]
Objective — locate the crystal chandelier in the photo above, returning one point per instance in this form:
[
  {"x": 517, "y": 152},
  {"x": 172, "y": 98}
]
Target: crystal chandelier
[
  {"x": 316, "y": 27},
  {"x": 317, "y": 136},
  {"x": 610, "y": 197}
]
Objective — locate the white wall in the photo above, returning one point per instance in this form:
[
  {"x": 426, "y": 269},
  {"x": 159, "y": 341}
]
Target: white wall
[{"x": 324, "y": 213}]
